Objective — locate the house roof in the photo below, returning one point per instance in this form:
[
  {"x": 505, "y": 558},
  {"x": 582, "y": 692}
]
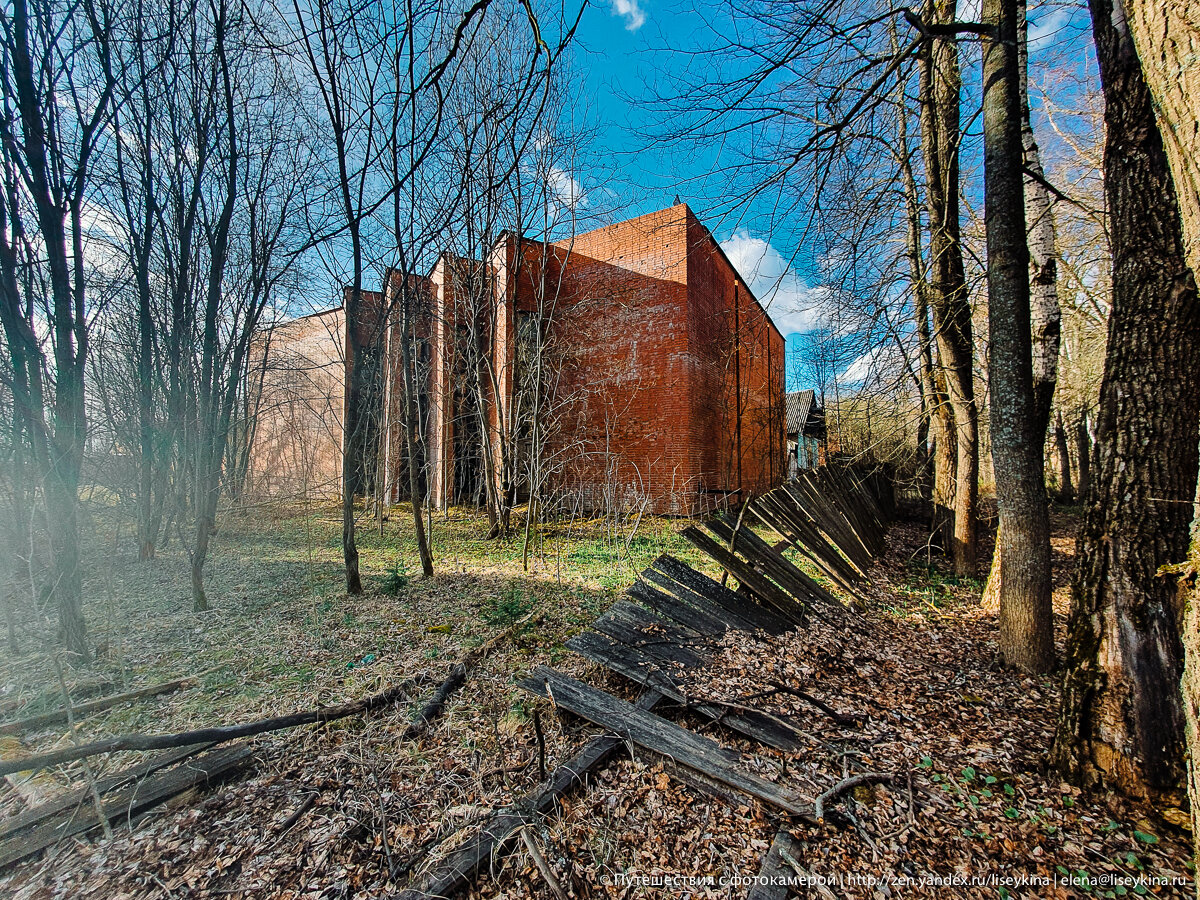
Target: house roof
[{"x": 799, "y": 405}]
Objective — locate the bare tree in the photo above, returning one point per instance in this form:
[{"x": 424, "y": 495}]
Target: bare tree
[
  {"x": 337, "y": 41},
  {"x": 1023, "y": 540},
  {"x": 55, "y": 113}
]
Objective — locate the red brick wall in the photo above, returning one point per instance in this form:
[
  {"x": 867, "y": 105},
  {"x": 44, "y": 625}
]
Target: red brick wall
[
  {"x": 647, "y": 397},
  {"x": 738, "y": 378},
  {"x": 297, "y": 449},
  {"x": 622, "y": 411},
  {"x": 652, "y": 366}
]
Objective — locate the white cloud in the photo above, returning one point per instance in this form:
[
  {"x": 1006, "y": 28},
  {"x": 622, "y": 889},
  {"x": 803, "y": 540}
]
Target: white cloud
[
  {"x": 881, "y": 361},
  {"x": 791, "y": 302},
  {"x": 1045, "y": 31},
  {"x": 858, "y": 371},
  {"x": 632, "y": 12},
  {"x": 565, "y": 189}
]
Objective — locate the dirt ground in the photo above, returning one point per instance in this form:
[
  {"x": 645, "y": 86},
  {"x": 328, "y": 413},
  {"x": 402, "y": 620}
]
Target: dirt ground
[{"x": 352, "y": 810}]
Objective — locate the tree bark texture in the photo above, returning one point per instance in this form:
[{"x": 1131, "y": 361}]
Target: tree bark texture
[
  {"x": 1083, "y": 457},
  {"x": 940, "y": 88},
  {"x": 1023, "y": 539},
  {"x": 1066, "y": 490},
  {"x": 1122, "y": 721},
  {"x": 1045, "y": 313},
  {"x": 1166, "y": 34}
]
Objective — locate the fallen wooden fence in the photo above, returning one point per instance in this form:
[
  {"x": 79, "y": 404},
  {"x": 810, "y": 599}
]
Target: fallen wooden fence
[
  {"x": 833, "y": 517},
  {"x": 836, "y": 520}
]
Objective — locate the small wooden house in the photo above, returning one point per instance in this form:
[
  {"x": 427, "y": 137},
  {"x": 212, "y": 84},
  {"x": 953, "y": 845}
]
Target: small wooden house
[{"x": 805, "y": 430}]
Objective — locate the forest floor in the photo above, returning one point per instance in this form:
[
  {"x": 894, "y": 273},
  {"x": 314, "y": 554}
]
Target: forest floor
[{"x": 963, "y": 738}]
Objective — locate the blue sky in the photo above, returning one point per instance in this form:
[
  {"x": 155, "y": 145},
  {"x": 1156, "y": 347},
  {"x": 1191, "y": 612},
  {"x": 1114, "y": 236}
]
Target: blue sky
[{"x": 630, "y": 50}]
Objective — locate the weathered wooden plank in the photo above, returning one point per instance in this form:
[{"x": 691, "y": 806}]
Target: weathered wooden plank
[
  {"x": 657, "y": 734},
  {"x": 499, "y": 831},
  {"x": 819, "y": 551},
  {"x": 776, "y": 875},
  {"x": 126, "y": 803},
  {"x": 81, "y": 796},
  {"x": 662, "y": 649},
  {"x": 758, "y": 585},
  {"x": 782, "y": 571},
  {"x": 781, "y": 511},
  {"x": 668, "y": 606},
  {"x": 685, "y": 594},
  {"x": 748, "y": 610},
  {"x": 830, "y": 520},
  {"x": 852, "y": 507},
  {"x": 640, "y": 669},
  {"x": 655, "y": 627},
  {"x": 865, "y": 505},
  {"x": 850, "y": 501},
  {"x": 628, "y": 662}
]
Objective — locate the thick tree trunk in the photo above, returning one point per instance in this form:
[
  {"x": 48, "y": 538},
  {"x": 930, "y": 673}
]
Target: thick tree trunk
[
  {"x": 1167, "y": 36},
  {"x": 1045, "y": 313},
  {"x": 949, "y": 300},
  {"x": 1066, "y": 490},
  {"x": 1167, "y": 33},
  {"x": 1023, "y": 540},
  {"x": 1122, "y": 721}
]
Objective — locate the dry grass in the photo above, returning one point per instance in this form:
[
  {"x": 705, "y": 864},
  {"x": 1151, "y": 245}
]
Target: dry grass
[{"x": 940, "y": 712}]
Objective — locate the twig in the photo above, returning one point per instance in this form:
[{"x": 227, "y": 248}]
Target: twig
[
  {"x": 295, "y": 816},
  {"x": 846, "y": 721},
  {"x": 540, "y": 861},
  {"x": 846, "y": 785},
  {"x": 541, "y": 744},
  {"x": 218, "y": 734}
]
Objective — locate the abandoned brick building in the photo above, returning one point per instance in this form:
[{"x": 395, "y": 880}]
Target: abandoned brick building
[{"x": 659, "y": 379}]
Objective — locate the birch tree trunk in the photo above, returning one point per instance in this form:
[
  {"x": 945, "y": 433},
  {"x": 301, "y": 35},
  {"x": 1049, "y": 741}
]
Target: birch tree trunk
[{"x": 1045, "y": 313}]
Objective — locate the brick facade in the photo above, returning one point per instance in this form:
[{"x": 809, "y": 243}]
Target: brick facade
[{"x": 662, "y": 377}]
